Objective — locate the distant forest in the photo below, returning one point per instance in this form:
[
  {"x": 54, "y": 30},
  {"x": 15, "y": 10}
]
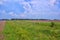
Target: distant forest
[{"x": 27, "y": 19}]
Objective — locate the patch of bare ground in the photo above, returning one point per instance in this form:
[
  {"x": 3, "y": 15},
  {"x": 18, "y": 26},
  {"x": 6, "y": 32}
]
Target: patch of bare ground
[{"x": 2, "y": 24}]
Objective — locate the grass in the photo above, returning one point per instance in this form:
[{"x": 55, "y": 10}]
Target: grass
[{"x": 26, "y": 30}]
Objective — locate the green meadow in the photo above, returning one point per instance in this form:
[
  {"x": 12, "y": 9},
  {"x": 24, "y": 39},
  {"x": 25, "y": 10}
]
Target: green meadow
[{"x": 28, "y": 30}]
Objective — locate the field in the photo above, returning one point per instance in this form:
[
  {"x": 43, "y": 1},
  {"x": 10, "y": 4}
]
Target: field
[{"x": 31, "y": 30}]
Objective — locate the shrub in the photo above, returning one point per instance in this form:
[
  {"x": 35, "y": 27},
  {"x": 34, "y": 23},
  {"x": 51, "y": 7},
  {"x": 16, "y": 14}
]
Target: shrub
[{"x": 52, "y": 24}]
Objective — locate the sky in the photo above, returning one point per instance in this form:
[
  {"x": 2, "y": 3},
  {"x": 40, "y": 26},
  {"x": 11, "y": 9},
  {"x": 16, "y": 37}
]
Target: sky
[{"x": 30, "y": 9}]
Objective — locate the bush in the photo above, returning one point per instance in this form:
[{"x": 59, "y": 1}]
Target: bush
[{"x": 52, "y": 24}]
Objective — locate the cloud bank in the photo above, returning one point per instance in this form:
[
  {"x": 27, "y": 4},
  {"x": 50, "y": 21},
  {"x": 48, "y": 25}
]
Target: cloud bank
[{"x": 38, "y": 9}]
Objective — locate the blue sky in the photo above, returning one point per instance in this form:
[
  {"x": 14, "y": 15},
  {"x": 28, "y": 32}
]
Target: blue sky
[{"x": 30, "y": 9}]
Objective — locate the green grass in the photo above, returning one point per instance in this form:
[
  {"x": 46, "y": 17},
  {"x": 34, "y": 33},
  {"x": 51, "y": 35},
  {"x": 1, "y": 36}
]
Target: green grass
[{"x": 26, "y": 30}]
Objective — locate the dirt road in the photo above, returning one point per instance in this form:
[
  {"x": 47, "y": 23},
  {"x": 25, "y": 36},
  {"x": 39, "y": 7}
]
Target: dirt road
[{"x": 2, "y": 24}]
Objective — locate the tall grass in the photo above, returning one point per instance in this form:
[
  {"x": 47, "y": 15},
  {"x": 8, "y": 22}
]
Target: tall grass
[{"x": 26, "y": 30}]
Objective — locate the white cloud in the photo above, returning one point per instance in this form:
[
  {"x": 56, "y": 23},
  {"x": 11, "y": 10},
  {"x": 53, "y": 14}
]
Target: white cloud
[
  {"x": 1, "y": 2},
  {"x": 22, "y": 15},
  {"x": 52, "y": 2},
  {"x": 27, "y": 8},
  {"x": 12, "y": 14},
  {"x": 3, "y": 12}
]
